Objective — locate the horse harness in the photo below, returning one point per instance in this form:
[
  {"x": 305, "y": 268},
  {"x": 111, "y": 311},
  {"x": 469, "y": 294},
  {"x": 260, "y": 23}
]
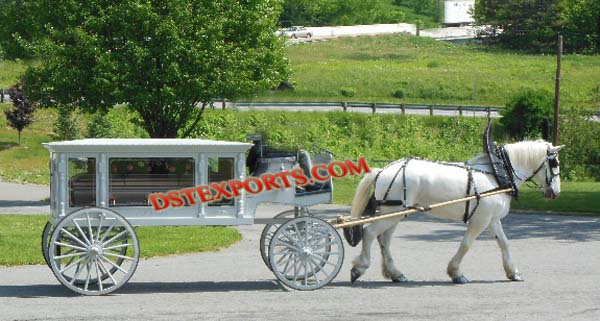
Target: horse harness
[{"x": 471, "y": 187}]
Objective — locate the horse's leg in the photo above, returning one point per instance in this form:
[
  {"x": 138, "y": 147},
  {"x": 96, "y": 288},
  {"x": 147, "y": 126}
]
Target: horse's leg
[
  {"x": 477, "y": 224},
  {"x": 362, "y": 262},
  {"x": 512, "y": 273},
  {"x": 387, "y": 262}
]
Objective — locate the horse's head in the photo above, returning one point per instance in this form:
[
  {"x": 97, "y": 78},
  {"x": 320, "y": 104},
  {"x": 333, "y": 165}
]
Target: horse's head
[{"x": 538, "y": 161}]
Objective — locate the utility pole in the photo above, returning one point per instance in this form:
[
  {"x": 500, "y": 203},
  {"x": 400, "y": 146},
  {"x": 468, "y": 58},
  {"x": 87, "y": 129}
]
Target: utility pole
[{"x": 557, "y": 91}]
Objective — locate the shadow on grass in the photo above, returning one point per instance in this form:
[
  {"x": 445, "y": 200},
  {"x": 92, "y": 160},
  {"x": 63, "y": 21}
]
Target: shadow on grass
[
  {"x": 7, "y": 145},
  {"x": 519, "y": 226}
]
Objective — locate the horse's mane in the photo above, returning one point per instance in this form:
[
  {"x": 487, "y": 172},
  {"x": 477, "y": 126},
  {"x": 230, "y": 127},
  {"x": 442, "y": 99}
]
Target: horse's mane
[{"x": 527, "y": 153}]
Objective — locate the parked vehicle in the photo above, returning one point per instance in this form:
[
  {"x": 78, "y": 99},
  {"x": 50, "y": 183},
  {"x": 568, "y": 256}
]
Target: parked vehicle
[{"x": 297, "y": 32}]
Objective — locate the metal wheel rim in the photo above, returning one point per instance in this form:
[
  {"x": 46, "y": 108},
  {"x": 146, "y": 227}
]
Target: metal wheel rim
[
  {"x": 269, "y": 230},
  {"x": 310, "y": 250},
  {"x": 46, "y": 242},
  {"x": 85, "y": 252}
]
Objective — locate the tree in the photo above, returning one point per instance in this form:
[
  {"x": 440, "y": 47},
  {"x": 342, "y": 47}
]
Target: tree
[
  {"x": 21, "y": 115},
  {"x": 167, "y": 60},
  {"x": 534, "y": 24},
  {"x": 65, "y": 127},
  {"x": 525, "y": 113}
]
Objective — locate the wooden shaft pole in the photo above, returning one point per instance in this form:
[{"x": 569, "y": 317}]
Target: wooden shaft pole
[{"x": 412, "y": 211}]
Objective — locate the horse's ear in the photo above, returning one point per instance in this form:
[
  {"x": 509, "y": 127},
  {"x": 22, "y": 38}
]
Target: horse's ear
[{"x": 556, "y": 149}]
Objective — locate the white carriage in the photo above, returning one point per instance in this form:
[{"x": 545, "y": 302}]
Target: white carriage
[
  {"x": 100, "y": 192},
  {"x": 101, "y": 189}
]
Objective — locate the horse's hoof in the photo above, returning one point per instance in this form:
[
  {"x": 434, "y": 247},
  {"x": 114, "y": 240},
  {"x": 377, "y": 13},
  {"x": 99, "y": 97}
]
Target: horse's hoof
[
  {"x": 516, "y": 277},
  {"x": 354, "y": 275},
  {"x": 400, "y": 279},
  {"x": 460, "y": 280}
]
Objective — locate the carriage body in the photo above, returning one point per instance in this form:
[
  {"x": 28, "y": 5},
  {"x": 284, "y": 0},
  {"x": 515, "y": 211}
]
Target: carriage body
[
  {"x": 120, "y": 174},
  {"x": 101, "y": 189}
]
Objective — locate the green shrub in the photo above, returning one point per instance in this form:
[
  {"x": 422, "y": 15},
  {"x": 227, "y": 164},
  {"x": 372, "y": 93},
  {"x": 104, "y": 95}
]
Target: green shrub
[
  {"x": 399, "y": 93},
  {"x": 347, "y": 91},
  {"x": 99, "y": 126},
  {"x": 65, "y": 127},
  {"x": 525, "y": 113}
]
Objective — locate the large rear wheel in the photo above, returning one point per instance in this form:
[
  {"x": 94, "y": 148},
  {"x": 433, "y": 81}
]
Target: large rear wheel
[{"x": 95, "y": 251}]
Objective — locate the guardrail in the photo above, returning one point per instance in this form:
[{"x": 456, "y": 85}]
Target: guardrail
[{"x": 347, "y": 106}]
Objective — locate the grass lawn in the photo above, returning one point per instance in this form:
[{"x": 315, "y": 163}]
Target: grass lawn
[
  {"x": 28, "y": 162},
  {"x": 581, "y": 197},
  {"x": 429, "y": 71},
  {"x": 20, "y": 239},
  {"x": 575, "y": 197}
]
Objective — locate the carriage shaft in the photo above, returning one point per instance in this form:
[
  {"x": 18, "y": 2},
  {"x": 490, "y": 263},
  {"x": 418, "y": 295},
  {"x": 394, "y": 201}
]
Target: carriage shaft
[{"x": 404, "y": 213}]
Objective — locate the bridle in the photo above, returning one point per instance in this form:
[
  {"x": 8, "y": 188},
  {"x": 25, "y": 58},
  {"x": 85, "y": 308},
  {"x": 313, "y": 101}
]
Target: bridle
[{"x": 551, "y": 164}]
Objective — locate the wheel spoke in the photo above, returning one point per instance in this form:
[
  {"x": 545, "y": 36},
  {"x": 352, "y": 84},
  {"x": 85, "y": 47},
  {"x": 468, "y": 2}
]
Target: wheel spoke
[
  {"x": 69, "y": 255},
  {"x": 287, "y": 264},
  {"x": 102, "y": 267},
  {"x": 81, "y": 232},
  {"x": 72, "y": 264},
  {"x": 87, "y": 215},
  {"x": 113, "y": 264},
  {"x": 98, "y": 274},
  {"x": 77, "y": 272},
  {"x": 114, "y": 238},
  {"x": 117, "y": 246},
  {"x": 70, "y": 246},
  {"x": 119, "y": 256},
  {"x": 310, "y": 264},
  {"x": 108, "y": 231},
  {"x": 322, "y": 260},
  {"x": 288, "y": 245},
  {"x": 73, "y": 237},
  {"x": 320, "y": 268},
  {"x": 99, "y": 228},
  {"x": 89, "y": 274}
]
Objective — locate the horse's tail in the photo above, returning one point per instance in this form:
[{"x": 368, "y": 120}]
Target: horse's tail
[
  {"x": 363, "y": 193},
  {"x": 361, "y": 199}
]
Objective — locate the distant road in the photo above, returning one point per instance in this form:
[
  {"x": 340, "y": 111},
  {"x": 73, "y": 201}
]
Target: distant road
[{"x": 325, "y": 33}]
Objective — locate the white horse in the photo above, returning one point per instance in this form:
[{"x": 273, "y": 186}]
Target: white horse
[{"x": 419, "y": 182}]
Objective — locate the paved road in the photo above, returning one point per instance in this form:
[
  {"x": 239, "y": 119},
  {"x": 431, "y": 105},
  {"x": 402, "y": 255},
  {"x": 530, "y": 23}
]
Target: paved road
[
  {"x": 23, "y": 198},
  {"x": 558, "y": 257}
]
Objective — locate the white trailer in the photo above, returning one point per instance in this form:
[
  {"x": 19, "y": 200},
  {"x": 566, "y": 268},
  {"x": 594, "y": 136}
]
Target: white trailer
[{"x": 458, "y": 12}]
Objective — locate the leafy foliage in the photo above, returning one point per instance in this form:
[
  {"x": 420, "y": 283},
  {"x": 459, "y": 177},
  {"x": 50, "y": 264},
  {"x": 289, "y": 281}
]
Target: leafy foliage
[
  {"x": 425, "y": 7},
  {"x": 22, "y": 113},
  {"x": 534, "y": 25},
  {"x": 99, "y": 126},
  {"x": 65, "y": 127},
  {"x": 161, "y": 59},
  {"x": 338, "y": 12},
  {"x": 525, "y": 113},
  {"x": 347, "y": 91}
]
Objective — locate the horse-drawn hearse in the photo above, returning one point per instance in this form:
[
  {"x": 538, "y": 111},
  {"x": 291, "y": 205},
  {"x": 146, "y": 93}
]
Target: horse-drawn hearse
[{"x": 101, "y": 190}]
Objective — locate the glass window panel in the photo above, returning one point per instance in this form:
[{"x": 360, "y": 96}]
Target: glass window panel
[
  {"x": 131, "y": 180},
  {"x": 220, "y": 169},
  {"x": 82, "y": 181}
]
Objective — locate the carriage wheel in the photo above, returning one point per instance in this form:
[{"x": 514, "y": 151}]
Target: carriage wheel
[
  {"x": 46, "y": 241},
  {"x": 269, "y": 230},
  {"x": 306, "y": 253},
  {"x": 95, "y": 252}
]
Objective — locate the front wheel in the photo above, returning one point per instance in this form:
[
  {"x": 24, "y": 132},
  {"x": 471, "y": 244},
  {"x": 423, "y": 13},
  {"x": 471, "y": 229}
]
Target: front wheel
[{"x": 306, "y": 253}]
